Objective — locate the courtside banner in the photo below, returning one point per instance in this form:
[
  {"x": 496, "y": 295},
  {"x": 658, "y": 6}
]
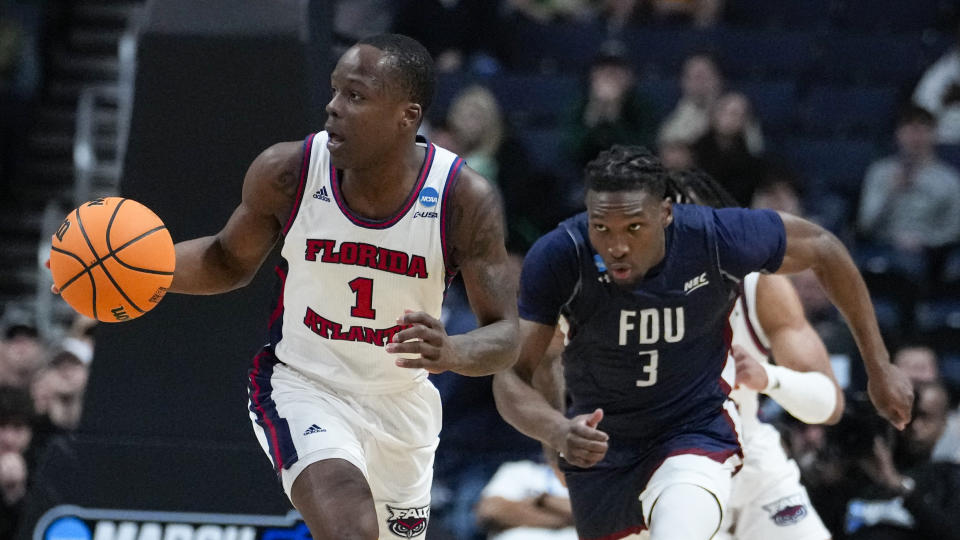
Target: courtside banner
[{"x": 76, "y": 523}]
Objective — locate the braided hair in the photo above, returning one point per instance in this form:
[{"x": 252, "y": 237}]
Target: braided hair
[
  {"x": 627, "y": 168},
  {"x": 694, "y": 186}
]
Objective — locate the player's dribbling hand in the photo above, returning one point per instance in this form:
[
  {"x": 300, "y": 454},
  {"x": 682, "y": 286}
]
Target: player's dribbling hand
[
  {"x": 53, "y": 288},
  {"x": 750, "y": 373},
  {"x": 582, "y": 444},
  {"x": 892, "y": 394},
  {"x": 430, "y": 341}
]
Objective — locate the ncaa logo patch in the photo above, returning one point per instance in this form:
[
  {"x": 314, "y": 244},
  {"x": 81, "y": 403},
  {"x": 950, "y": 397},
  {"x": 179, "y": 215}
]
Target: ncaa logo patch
[
  {"x": 408, "y": 522},
  {"x": 788, "y": 510},
  {"x": 429, "y": 197}
]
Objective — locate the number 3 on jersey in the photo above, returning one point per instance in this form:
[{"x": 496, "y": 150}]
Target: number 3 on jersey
[
  {"x": 363, "y": 288},
  {"x": 650, "y": 368}
]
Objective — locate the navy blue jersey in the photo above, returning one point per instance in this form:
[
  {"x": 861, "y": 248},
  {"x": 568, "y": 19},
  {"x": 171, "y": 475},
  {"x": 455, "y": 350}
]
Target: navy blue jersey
[{"x": 650, "y": 355}]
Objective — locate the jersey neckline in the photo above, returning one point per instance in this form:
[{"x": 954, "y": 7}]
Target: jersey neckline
[{"x": 361, "y": 221}]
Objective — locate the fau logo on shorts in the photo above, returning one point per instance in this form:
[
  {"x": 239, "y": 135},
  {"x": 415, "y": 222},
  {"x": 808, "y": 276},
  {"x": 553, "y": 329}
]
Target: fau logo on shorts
[
  {"x": 408, "y": 522},
  {"x": 788, "y": 510}
]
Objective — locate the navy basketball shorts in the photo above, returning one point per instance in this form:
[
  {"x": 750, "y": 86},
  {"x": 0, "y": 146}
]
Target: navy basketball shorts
[{"x": 613, "y": 499}]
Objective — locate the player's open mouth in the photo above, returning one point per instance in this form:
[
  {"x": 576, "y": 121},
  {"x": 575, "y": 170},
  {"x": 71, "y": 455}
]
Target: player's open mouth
[
  {"x": 334, "y": 140},
  {"x": 620, "y": 272}
]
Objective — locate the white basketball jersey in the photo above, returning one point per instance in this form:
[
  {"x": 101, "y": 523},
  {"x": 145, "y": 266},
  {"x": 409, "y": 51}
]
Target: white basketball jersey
[
  {"x": 748, "y": 334},
  {"x": 349, "y": 278}
]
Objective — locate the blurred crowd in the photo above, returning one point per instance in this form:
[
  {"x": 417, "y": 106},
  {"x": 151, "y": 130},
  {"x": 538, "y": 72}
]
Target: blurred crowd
[
  {"x": 865, "y": 480},
  {"x": 41, "y": 397}
]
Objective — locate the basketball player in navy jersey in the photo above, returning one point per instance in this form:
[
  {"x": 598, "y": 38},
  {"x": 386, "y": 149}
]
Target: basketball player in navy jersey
[
  {"x": 374, "y": 222},
  {"x": 644, "y": 289}
]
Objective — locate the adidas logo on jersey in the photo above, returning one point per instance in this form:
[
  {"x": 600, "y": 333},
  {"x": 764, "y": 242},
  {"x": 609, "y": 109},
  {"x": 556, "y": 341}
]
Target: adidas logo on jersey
[
  {"x": 322, "y": 194},
  {"x": 695, "y": 283},
  {"x": 314, "y": 429}
]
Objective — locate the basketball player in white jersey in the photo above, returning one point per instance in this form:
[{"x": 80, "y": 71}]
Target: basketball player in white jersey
[
  {"x": 767, "y": 499},
  {"x": 374, "y": 222}
]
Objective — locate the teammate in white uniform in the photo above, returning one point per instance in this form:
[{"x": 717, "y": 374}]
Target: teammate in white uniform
[
  {"x": 767, "y": 499},
  {"x": 374, "y": 223}
]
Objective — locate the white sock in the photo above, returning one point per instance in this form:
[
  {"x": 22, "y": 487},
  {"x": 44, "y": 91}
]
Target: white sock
[{"x": 684, "y": 512}]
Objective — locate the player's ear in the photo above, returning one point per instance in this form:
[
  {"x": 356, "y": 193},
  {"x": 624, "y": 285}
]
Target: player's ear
[
  {"x": 666, "y": 212},
  {"x": 411, "y": 115}
]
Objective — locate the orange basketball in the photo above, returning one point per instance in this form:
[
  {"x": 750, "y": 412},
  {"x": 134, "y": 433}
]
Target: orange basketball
[{"x": 112, "y": 259}]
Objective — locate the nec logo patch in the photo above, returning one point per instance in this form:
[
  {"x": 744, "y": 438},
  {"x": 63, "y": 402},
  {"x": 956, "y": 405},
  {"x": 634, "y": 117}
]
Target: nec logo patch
[
  {"x": 695, "y": 283},
  {"x": 408, "y": 522}
]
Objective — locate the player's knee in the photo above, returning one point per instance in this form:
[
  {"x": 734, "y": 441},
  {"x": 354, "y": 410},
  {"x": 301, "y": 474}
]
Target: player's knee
[{"x": 685, "y": 511}]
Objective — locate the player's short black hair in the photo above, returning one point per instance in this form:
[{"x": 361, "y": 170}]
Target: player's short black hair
[
  {"x": 695, "y": 186},
  {"x": 411, "y": 63},
  {"x": 627, "y": 168}
]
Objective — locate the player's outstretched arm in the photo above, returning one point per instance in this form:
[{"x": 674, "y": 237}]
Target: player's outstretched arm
[
  {"x": 526, "y": 408},
  {"x": 230, "y": 258},
  {"x": 811, "y": 246},
  {"x": 478, "y": 250},
  {"x": 802, "y": 381}
]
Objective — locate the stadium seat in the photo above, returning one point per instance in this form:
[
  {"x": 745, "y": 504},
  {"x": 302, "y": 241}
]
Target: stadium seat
[
  {"x": 791, "y": 14},
  {"x": 661, "y": 51},
  {"x": 662, "y": 94},
  {"x": 766, "y": 53},
  {"x": 950, "y": 153},
  {"x": 566, "y": 47},
  {"x": 834, "y": 165},
  {"x": 774, "y": 102},
  {"x": 887, "y": 310},
  {"x": 938, "y": 322},
  {"x": 866, "y": 111},
  {"x": 877, "y": 59},
  {"x": 535, "y": 100},
  {"x": 883, "y": 16},
  {"x": 545, "y": 148}
]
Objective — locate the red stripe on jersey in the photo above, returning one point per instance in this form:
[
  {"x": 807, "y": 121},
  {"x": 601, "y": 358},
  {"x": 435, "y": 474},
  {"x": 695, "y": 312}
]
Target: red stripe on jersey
[{"x": 304, "y": 171}]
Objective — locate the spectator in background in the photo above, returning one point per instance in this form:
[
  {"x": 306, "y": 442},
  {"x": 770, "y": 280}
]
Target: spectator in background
[
  {"x": 939, "y": 92},
  {"x": 58, "y": 391},
  {"x": 611, "y": 112},
  {"x": 900, "y": 493},
  {"x": 22, "y": 354},
  {"x": 911, "y": 200},
  {"x": 723, "y": 151},
  {"x": 525, "y": 500},
  {"x": 13, "y": 487},
  {"x": 918, "y": 362},
  {"x": 779, "y": 190},
  {"x": 699, "y": 13},
  {"x": 550, "y": 11},
  {"x": 675, "y": 154},
  {"x": 701, "y": 84},
  {"x": 476, "y": 129},
  {"x": 16, "y": 440}
]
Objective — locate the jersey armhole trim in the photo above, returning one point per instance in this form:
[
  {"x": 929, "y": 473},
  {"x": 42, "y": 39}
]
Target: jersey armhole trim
[
  {"x": 304, "y": 172},
  {"x": 452, "y": 176}
]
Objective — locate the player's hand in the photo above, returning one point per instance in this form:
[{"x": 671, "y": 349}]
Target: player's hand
[
  {"x": 437, "y": 353},
  {"x": 892, "y": 394},
  {"x": 750, "y": 373},
  {"x": 581, "y": 443},
  {"x": 53, "y": 288}
]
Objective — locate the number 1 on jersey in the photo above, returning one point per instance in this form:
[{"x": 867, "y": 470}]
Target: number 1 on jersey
[{"x": 363, "y": 288}]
